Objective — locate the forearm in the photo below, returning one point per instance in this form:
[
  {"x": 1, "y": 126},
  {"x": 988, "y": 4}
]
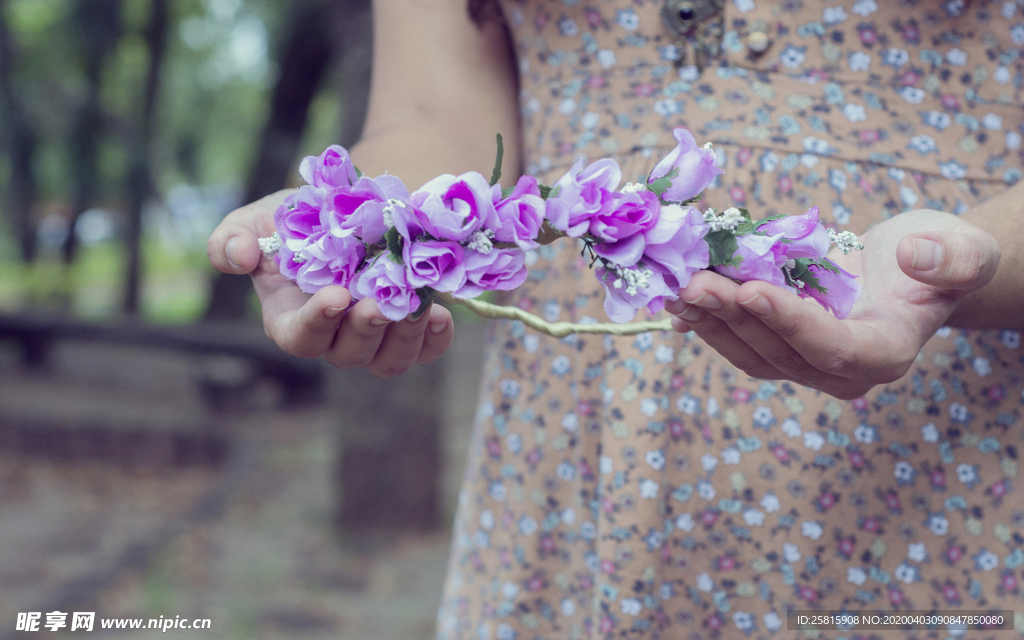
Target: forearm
[
  {"x": 1000, "y": 303},
  {"x": 442, "y": 87}
]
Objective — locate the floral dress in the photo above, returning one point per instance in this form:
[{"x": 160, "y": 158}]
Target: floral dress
[{"x": 643, "y": 487}]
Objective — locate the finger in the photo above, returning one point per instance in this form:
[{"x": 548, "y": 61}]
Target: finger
[
  {"x": 400, "y": 348},
  {"x": 849, "y": 349},
  {"x": 232, "y": 247},
  {"x": 718, "y": 296},
  {"x": 965, "y": 260},
  {"x": 437, "y": 339},
  {"x": 309, "y": 330},
  {"x": 359, "y": 336},
  {"x": 721, "y": 338}
]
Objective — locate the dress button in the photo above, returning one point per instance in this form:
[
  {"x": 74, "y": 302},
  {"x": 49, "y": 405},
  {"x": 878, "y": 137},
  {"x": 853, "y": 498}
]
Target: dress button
[{"x": 757, "y": 42}]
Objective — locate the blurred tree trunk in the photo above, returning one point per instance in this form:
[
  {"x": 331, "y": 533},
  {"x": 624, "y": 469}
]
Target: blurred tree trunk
[
  {"x": 304, "y": 60},
  {"x": 98, "y": 27},
  {"x": 140, "y": 176},
  {"x": 319, "y": 30},
  {"x": 21, "y": 148}
]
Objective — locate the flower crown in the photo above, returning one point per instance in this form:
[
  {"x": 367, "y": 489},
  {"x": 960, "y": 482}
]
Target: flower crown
[{"x": 459, "y": 236}]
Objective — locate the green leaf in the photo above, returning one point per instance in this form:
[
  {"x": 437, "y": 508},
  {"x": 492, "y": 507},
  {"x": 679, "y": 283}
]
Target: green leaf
[
  {"x": 762, "y": 221},
  {"x": 803, "y": 273},
  {"x": 722, "y": 245},
  {"x": 496, "y": 174},
  {"x": 745, "y": 213},
  {"x": 426, "y": 295},
  {"x": 358, "y": 172},
  {"x": 507, "y": 191},
  {"x": 394, "y": 240},
  {"x": 548, "y": 192},
  {"x": 662, "y": 184},
  {"x": 825, "y": 263}
]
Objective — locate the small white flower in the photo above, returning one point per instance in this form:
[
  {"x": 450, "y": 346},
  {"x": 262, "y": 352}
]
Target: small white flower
[
  {"x": 566, "y": 106},
  {"x": 833, "y": 15},
  {"x": 568, "y": 517},
  {"x": 731, "y": 455},
  {"x": 904, "y": 472},
  {"x": 981, "y": 366},
  {"x": 685, "y": 522},
  {"x": 565, "y": 471},
  {"x": 967, "y": 473},
  {"x": 606, "y": 58},
  {"x": 743, "y": 620},
  {"x": 865, "y": 433},
  {"x": 856, "y": 575},
  {"x": 896, "y": 57},
  {"x": 509, "y": 590},
  {"x": 606, "y": 465},
  {"x": 753, "y": 517},
  {"x": 527, "y": 525},
  {"x": 865, "y": 8},
  {"x": 992, "y": 122},
  {"x": 791, "y": 427},
  {"x": 908, "y": 196},
  {"x": 590, "y": 120},
  {"x": 630, "y": 606},
  {"x": 666, "y": 107},
  {"x": 792, "y": 56},
  {"x": 649, "y": 489},
  {"x": 1010, "y": 338},
  {"x": 956, "y": 57},
  {"x": 1001, "y": 75},
  {"x": 770, "y": 503},
  {"x": 1012, "y": 140},
  {"x": 952, "y": 170},
  {"x": 663, "y": 354},
  {"x": 811, "y": 529},
  {"x": 487, "y": 519},
  {"x": 791, "y": 552},
  {"x": 958, "y": 412},
  {"x": 627, "y": 19},
  {"x": 505, "y": 632},
  {"x": 705, "y": 490},
  {"x": 1009, "y": 9},
  {"x": 816, "y": 146},
  {"x": 854, "y": 112},
  {"x": 916, "y": 552},
  {"x": 655, "y": 459},
  {"x": 813, "y": 440},
  {"x": 649, "y": 407},
  {"x": 769, "y": 161},
  {"x": 986, "y": 560},
  {"x": 929, "y": 433},
  {"x": 705, "y": 583},
  {"x": 568, "y": 608},
  {"x": 1017, "y": 34},
  {"x": 859, "y": 61},
  {"x": 744, "y": 6},
  {"x": 905, "y": 573},
  {"x": 938, "y": 524},
  {"x": 689, "y": 73},
  {"x": 568, "y": 27},
  {"x": 709, "y": 461},
  {"x": 772, "y": 621},
  {"x": 912, "y": 95}
]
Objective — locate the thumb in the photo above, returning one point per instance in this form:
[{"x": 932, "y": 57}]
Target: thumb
[{"x": 965, "y": 260}]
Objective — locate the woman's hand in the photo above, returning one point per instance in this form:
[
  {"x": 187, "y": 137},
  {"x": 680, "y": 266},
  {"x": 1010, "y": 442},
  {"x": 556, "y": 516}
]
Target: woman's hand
[
  {"x": 317, "y": 326},
  {"x": 914, "y": 269}
]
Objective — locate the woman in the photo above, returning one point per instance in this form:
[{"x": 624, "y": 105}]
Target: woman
[{"x": 700, "y": 484}]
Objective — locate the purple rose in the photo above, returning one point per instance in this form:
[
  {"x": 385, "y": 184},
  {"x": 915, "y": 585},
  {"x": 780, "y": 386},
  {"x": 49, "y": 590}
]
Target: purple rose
[
  {"x": 630, "y": 214},
  {"x": 299, "y": 215},
  {"x": 676, "y": 246},
  {"x": 807, "y": 238},
  {"x": 330, "y": 261},
  {"x": 842, "y": 290},
  {"x": 621, "y": 305},
  {"x": 690, "y": 168},
  {"x": 761, "y": 258},
  {"x": 581, "y": 193},
  {"x": 449, "y": 208},
  {"x": 434, "y": 263},
  {"x": 330, "y": 170},
  {"x": 520, "y": 215},
  {"x": 359, "y": 209},
  {"x": 496, "y": 270},
  {"x": 384, "y": 281}
]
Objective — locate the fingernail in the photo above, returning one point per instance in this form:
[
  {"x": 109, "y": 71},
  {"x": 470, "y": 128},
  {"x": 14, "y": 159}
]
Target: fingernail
[
  {"x": 333, "y": 312},
  {"x": 438, "y": 327},
  {"x": 759, "y": 305},
  {"x": 230, "y": 250},
  {"x": 379, "y": 322},
  {"x": 927, "y": 255},
  {"x": 707, "y": 301},
  {"x": 675, "y": 307},
  {"x": 692, "y": 314}
]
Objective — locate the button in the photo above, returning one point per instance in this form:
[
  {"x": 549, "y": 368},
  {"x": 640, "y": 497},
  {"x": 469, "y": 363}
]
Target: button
[{"x": 757, "y": 42}]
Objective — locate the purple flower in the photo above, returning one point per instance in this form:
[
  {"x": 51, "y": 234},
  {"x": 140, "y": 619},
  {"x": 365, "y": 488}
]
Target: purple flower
[
  {"x": 384, "y": 281},
  {"x": 496, "y": 270},
  {"x": 330, "y": 261},
  {"x": 330, "y": 170},
  {"x": 621, "y": 305},
  {"x": 630, "y": 215},
  {"x": 520, "y": 215},
  {"x": 807, "y": 238},
  {"x": 842, "y": 290},
  {"x": 449, "y": 208},
  {"x": 690, "y": 168},
  {"x": 676, "y": 246},
  {"x": 580, "y": 194},
  {"x": 359, "y": 209},
  {"x": 434, "y": 263},
  {"x": 298, "y": 216},
  {"x": 761, "y": 258}
]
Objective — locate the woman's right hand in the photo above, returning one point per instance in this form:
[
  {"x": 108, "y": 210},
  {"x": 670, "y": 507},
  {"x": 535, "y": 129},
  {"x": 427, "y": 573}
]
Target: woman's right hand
[{"x": 318, "y": 326}]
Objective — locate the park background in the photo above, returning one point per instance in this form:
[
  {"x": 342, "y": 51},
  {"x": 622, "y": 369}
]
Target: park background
[{"x": 158, "y": 455}]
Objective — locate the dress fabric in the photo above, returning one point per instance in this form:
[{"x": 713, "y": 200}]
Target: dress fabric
[{"x": 643, "y": 487}]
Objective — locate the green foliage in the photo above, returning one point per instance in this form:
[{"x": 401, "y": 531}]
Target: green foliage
[
  {"x": 723, "y": 246},
  {"x": 426, "y": 295},
  {"x": 662, "y": 184},
  {"x": 395, "y": 241},
  {"x": 496, "y": 173},
  {"x": 803, "y": 273}
]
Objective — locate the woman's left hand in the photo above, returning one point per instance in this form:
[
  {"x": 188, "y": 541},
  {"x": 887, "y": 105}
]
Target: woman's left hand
[{"x": 914, "y": 269}]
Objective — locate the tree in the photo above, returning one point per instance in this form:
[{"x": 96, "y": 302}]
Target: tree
[{"x": 140, "y": 175}]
